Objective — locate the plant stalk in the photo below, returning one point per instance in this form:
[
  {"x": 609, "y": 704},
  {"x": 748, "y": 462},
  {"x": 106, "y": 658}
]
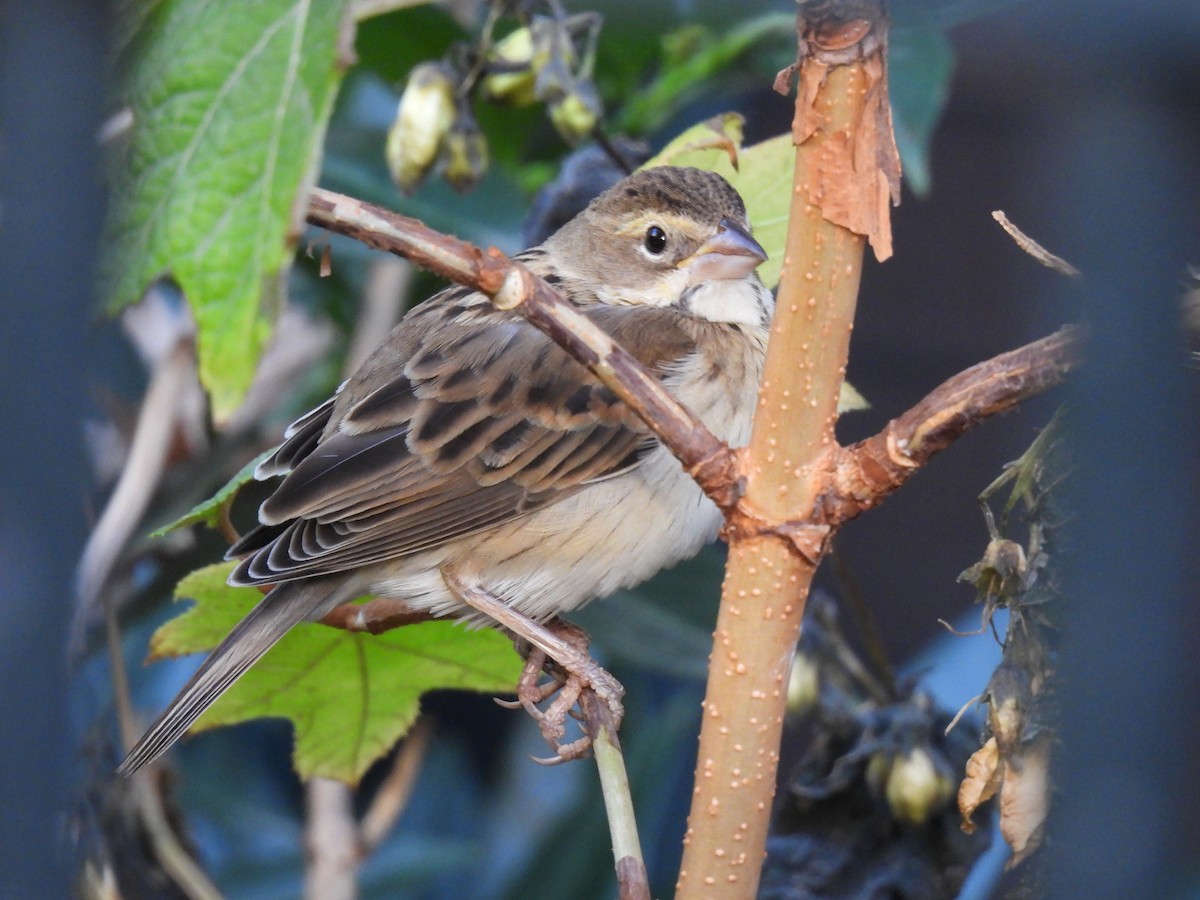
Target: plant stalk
[{"x": 768, "y": 576}]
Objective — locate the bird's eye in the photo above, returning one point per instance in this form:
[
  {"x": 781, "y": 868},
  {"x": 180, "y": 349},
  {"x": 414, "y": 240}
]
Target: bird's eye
[{"x": 656, "y": 240}]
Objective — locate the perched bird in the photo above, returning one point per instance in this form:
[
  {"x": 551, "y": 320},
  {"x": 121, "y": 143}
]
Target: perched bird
[{"x": 470, "y": 442}]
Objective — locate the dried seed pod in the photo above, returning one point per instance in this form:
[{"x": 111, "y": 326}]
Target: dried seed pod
[
  {"x": 552, "y": 60},
  {"x": 423, "y": 118}
]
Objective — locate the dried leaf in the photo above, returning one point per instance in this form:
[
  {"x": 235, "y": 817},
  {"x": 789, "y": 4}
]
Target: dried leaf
[
  {"x": 1025, "y": 798},
  {"x": 984, "y": 773}
]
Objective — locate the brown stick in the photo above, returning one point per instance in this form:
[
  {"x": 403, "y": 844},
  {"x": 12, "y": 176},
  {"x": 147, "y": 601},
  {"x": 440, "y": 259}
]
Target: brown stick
[
  {"x": 862, "y": 475},
  {"x": 393, "y": 795},
  {"x": 375, "y": 616}
]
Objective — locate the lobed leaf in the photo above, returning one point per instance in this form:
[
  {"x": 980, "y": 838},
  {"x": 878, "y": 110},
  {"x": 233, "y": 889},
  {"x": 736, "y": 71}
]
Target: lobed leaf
[{"x": 351, "y": 696}]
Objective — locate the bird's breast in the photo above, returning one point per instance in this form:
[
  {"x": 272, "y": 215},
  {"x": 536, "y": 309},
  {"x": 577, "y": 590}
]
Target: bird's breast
[{"x": 615, "y": 532}]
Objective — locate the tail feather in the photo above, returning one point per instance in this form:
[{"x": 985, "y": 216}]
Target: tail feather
[{"x": 286, "y": 605}]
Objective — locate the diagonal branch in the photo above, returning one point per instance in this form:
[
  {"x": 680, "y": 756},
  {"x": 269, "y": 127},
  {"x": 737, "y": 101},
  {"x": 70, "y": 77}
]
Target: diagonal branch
[{"x": 862, "y": 475}]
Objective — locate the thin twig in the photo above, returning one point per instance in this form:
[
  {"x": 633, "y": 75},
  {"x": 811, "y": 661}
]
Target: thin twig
[
  {"x": 330, "y": 841},
  {"x": 185, "y": 874},
  {"x": 1033, "y": 248},
  {"x": 140, "y": 476},
  {"x": 382, "y": 303},
  {"x": 393, "y": 795},
  {"x": 632, "y": 881},
  {"x": 146, "y": 786},
  {"x": 375, "y": 616}
]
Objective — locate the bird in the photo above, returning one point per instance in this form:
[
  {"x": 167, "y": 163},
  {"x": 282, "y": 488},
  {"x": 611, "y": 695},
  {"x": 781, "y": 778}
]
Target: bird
[{"x": 469, "y": 448}]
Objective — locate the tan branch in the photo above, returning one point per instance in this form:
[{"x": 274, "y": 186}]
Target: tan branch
[
  {"x": 330, "y": 841},
  {"x": 844, "y": 168},
  {"x": 158, "y": 421},
  {"x": 393, "y": 795}
]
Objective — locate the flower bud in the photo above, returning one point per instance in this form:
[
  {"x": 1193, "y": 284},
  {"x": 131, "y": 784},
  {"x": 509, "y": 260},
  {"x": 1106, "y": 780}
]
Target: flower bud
[
  {"x": 513, "y": 82},
  {"x": 916, "y": 788},
  {"x": 464, "y": 155},
  {"x": 423, "y": 118},
  {"x": 576, "y": 114},
  {"x": 804, "y": 685}
]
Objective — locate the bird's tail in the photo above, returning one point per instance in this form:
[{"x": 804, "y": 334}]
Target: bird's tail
[{"x": 286, "y": 605}]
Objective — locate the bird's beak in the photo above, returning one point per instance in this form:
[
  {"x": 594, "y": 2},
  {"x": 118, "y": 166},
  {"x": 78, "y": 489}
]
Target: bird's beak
[{"x": 729, "y": 254}]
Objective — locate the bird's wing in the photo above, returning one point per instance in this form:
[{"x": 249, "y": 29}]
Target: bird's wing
[{"x": 465, "y": 419}]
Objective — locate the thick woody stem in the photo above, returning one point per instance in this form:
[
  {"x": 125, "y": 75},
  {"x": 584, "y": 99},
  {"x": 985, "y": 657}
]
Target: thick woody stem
[{"x": 769, "y": 573}]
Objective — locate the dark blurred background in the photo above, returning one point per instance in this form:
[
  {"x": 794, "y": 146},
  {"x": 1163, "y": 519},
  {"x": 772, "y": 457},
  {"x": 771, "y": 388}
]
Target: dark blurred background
[{"x": 1079, "y": 120}]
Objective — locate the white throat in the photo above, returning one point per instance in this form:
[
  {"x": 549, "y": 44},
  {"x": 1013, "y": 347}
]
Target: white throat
[{"x": 738, "y": 302}]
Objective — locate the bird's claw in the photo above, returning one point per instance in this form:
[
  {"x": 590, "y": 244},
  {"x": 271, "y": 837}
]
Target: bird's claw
[{"x": 566, "y": 684}]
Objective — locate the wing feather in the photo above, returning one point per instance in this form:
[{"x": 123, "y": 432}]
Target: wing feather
[{"x": 465, "y": 419}]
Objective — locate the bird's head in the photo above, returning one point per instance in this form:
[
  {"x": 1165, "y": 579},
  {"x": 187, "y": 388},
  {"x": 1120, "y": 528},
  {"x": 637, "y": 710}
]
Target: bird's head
[{"x": 671, "y": 237}]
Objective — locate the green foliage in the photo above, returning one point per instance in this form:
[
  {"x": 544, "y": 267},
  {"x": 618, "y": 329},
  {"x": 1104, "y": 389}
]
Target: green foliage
[
  {"x": 694, "y": 59},
  {"x": 229, "y": 103},
  {"x": 920, "y": 62},
  {"x": 350, "y": 696},
  {"x": 209, "y": 511}
]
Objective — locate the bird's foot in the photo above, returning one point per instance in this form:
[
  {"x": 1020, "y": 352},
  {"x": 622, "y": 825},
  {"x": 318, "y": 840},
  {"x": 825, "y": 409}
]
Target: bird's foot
[
  {"x": 560, "y": 650},
  {"x": 567, "y": 687}
]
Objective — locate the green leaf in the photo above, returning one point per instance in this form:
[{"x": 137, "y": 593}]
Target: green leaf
[
  {"x": 350, "y": 696},
  {"x": 764, "y": 179},
  {"x": 920, "y": 62},
  {"x": 693, "y": 58},
  {"x": 229, "y": 102},
  {"x": 209, "y": 511}
]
